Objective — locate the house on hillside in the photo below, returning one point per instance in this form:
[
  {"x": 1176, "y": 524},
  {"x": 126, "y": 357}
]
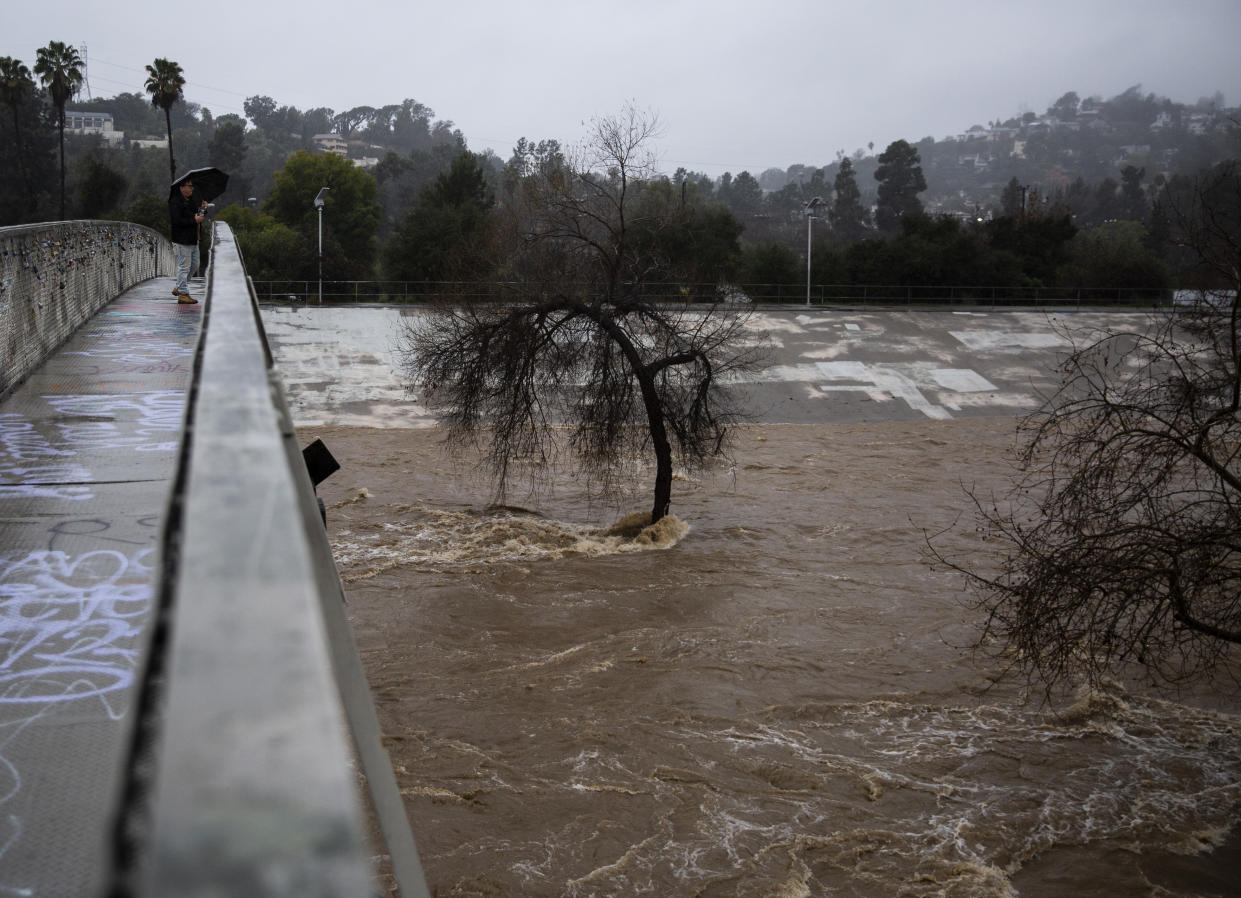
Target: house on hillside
[
  {"x": 1199, "y": 122},
  {"x": 93, "y": 122},
  {"x": 331, "y": 143}
]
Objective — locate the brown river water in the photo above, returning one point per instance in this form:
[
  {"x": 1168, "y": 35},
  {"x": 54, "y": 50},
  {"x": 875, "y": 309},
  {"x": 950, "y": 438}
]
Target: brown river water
[{"x": 771, "y": 695}]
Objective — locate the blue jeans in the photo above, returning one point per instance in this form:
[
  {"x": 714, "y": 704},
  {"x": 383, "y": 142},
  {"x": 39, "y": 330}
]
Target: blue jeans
[{"x": 185, "y": 258}]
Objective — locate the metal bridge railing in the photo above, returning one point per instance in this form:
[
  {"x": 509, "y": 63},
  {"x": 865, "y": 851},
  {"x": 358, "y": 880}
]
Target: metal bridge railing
[
  {"x": 879, "y": 295},
  {"x": 263, "y": 704},
  {"x": 54, "y": 276}
]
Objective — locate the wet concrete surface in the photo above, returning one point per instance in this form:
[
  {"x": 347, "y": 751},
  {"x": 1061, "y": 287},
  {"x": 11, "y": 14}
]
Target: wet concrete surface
[
  {"x": 88, "y": 447},
  {"x": 341, "y": 364}
]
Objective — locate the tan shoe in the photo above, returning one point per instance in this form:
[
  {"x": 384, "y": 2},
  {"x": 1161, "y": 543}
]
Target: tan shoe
[
  {"x": 186, "y": 299},
  {"x": 176, "y": 292}
]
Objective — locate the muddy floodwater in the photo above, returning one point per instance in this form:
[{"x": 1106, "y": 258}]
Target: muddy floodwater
[{"x": 772, "y": 694}]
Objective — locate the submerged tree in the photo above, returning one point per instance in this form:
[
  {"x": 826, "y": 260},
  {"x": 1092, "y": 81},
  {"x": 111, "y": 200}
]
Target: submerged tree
[
  {"x": 581, "y": 357},
  {"x": 1124, "y": 527}
]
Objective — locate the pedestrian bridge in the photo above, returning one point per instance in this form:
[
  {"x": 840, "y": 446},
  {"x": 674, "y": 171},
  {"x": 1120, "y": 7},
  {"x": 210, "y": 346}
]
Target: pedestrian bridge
[{"x": 182, "y": 709}]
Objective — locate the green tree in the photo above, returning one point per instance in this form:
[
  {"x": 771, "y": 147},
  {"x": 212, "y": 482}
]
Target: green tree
[
  {"x": 444, "y": 236},
  {"x": 260, "y": 111},
  {"x": 767, "y": 268},
  {"x": 351, "y": 120},
  {"x": 59, "y": 68},
  {"x": 227, "y": 151},
  {"x": 1107, "y": 205},
  {"x": 1115, "y": 255},
  {"x": 900, "y": 181},
  {"x": 272, "y": 251},
  {"x": 689, "y": 241},
  {"x": 16, "y": 90},
  {"x": 100, "y": 188},
  {"x": 1041, "y": 245},
  {"x": 849, "y": 219},
  {"x": 1065, "y": 108},
  {"x": 1132, "y": 197},
  {"x": 1013, "y": 199},
  {"x": 150, "y": 209},
  {"x": 935, "y": 251},
  {"x": 165, "y": 83},
  {"x": 1203, "y": 216},
  {"x": 745, "y": 195},
  {"x": 316, "y": 121},
  {"x": 350, "y": 213}
]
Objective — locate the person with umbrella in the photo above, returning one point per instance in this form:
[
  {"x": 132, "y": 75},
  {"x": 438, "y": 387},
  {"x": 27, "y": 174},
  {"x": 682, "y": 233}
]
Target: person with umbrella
[
  {"x": 185, "y": 217},
  {"x": 187, "y": 207}
]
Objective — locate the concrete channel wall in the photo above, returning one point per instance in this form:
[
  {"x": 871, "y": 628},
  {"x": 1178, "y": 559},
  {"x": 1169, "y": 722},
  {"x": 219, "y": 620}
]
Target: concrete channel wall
[{"x": 54, "y": 276}]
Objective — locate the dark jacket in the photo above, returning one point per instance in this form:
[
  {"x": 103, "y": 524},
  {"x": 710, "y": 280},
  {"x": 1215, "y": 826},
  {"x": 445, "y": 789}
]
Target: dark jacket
[{"x": 181, "y": 213}]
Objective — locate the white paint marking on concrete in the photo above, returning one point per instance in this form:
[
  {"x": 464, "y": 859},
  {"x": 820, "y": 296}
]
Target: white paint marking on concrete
[
  {"x": 983, "y": 340},
  {"x": 340, "y": 368},
  {"x": 771, "y": 324},
  {"x": 784, "y": 373},
  {"x": 845, "y": 371},
  {"x": 962, "y": 380},
  {"x": 901, "y": 387}
]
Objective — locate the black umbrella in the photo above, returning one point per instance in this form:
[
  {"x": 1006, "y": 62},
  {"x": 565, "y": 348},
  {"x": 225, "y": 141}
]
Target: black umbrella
[{"x": 208, "y": 183}]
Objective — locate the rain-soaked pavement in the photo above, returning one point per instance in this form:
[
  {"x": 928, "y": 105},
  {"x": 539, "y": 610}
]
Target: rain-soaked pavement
[{"x": 88, "y": 444}]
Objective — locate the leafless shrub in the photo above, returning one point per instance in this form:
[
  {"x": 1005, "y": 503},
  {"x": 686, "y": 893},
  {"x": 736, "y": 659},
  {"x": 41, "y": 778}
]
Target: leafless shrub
[
  {"x": 579, "y": 361},
  {"x": 1122, "y": 529}
]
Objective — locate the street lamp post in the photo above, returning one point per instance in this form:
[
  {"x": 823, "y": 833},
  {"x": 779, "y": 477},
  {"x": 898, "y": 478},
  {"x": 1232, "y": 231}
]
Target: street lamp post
[
  {"x": 319, "y": 206},
  {"x": 808, "y": 211}
]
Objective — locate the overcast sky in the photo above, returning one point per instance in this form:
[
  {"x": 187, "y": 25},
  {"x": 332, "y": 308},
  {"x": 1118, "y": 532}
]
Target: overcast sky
[{"x": 736, "y": 85}]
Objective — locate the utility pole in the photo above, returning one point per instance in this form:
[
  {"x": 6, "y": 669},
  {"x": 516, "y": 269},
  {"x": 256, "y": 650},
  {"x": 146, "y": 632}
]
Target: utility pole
[
  {"x": 808, "y": 211},
  {"x": 319, "y": 206}
]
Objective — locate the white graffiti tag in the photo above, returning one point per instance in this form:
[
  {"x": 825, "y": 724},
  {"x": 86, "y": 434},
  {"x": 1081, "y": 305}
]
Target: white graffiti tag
[
  {"x": 31, "y": 467},
  {"x": 88, "y": 421},
  {"x": 70, "y": 626}
]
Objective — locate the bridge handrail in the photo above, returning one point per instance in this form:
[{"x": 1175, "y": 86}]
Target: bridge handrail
[
  {"x": 56, "y": 275},
  {"x": 254, "y": 791}
]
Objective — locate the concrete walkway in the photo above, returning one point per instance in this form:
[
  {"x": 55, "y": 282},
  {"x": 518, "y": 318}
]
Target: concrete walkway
[{"x": 88, "y": 446}]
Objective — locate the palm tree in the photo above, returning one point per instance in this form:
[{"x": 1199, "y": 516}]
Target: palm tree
[
  {"x": 164, "y": 83},
  {"x": 16, "y": 86},
  {"x": 60, "y": 69}
]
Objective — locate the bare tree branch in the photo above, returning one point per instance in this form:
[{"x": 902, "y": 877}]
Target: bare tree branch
[
  {"x": 1122, "y": 528},
  {"x": 579, "y": 361}
]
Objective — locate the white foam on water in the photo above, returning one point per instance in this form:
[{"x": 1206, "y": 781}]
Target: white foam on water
[
  {"x": 437, "y": 538},
  {"x": 893, "y": 797}
]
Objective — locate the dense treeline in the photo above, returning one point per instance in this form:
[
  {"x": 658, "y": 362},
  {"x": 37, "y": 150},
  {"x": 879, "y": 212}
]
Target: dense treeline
[{"x": 1068, "y": 198}]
